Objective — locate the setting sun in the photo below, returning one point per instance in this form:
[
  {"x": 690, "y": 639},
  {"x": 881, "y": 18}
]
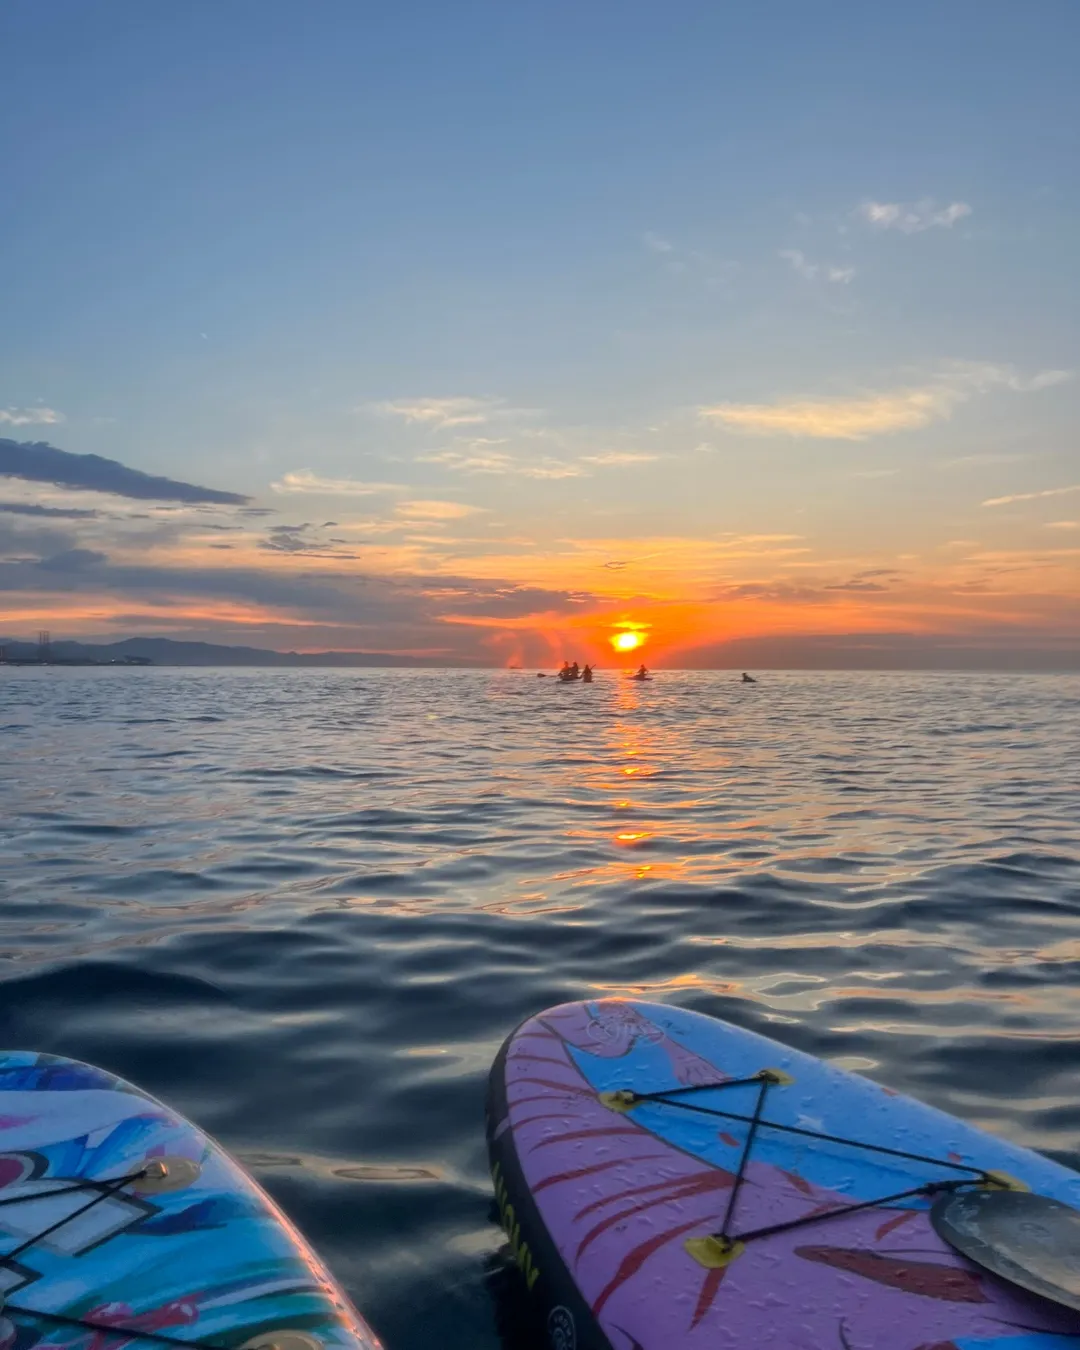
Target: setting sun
[{"x": 628, "y": 641}]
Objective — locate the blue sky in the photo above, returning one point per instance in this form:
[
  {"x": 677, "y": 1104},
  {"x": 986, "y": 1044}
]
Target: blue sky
[{"x": 605, "y": 280}]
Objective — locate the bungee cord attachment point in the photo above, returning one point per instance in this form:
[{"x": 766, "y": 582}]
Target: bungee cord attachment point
[
  {"x": 717, "y": 1250},
  {"x": 157, "y": 1176}
]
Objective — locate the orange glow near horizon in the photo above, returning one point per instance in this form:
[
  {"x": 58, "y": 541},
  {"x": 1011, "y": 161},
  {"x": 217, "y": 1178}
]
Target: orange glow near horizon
[{"x": 686, "y": 599}]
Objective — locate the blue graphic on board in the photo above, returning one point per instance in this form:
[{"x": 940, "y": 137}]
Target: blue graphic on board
[
  {"x": 213, "y": 1260},
  {"x": 830, "y": 1240},
  {"x": 822, "y": 1100}
]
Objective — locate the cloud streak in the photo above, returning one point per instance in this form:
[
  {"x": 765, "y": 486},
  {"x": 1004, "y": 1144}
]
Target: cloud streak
[
  {"x": 852, "y": 419},
  {"x": 28, "y": 417},
  {"x": 436, "y": 511},
  {"x": 56, "y": 512},
  {"x": 438, "y": 413},
  {"x": 482, "y": 457},
  {"x": 912, "y": 218},
  {"x": 1032, "y": 496},
  {"x": 303, "y": 481},
  {"x": 618, "y": 458},
  {"x": 39, "y": 462},
  {"x": 877, "y": 414}
]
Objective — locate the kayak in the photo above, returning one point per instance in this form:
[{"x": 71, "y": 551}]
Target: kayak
[
  {"x": 127, "y": 1226},
  {"x": 670, "y": 1180}
]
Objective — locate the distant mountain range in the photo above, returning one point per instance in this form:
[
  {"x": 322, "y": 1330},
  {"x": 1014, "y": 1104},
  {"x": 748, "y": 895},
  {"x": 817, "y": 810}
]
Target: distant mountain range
[
  {"x": 167, "y": 652},
  {"x": 854, "y": 651}
]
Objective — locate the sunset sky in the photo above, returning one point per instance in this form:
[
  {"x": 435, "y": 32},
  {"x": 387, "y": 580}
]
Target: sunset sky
[{"x": 488, "y": 332}]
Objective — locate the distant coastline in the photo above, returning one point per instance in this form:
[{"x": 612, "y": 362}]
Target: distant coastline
[
  {"x": 155, "y": 651},
  {"x": 896, "y": 652},
  {"x": 131, "y": 661}
]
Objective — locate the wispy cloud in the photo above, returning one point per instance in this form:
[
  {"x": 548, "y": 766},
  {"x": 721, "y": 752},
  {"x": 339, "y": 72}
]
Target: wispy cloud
[
  {"x": 1046, "y": 379},
  {"x": 28, "y": 417},
  {"x": 741, "y": 540},
  {"x": 39, "y": 462},
  {"x": 434, "y": 510},
  {"x": 1032, "y": 496},
  {"x": 482, "y": 456},
  {"x": 304, "y": 481},
  {"x": 797, "y": 259},
  {"x": 912, "y": 218},
  {"x": 458, "y": 411},
  {"x": 36, "y": 509},
  {"x": 981, "y": 460},
  {"x": 852, "y": 419},
  {"x": 869, "y": 580},
  {"x": 877, "y": 414},
  {"x": 811, "y": 271},
  {"x": 614, "y": 458},
  {"x": 551, "y": 469},
  {"x": 1062, "y": 525},
  {"x": 306, "y": 540},
  {"x": 657, "y": 244}
]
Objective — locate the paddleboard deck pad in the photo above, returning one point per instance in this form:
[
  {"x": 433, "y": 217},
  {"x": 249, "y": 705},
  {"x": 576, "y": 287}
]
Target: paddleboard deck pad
[
  {"x": 121, "y": 1224},
  {"x": 671, "y": 1182}
]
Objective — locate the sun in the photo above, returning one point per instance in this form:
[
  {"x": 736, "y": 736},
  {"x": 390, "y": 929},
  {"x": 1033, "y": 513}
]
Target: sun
[{"x": 627, "y": 641}]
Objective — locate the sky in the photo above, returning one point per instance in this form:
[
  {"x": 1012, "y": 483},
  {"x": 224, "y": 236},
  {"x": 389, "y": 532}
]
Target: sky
[{"x": 490, "y": 333}]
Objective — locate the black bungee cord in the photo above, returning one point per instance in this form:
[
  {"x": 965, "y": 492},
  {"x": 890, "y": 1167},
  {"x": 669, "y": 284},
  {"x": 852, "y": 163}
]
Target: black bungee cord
[
  {"x": 104, "y": 1190},
  {"x": 625, "y": 1099}
]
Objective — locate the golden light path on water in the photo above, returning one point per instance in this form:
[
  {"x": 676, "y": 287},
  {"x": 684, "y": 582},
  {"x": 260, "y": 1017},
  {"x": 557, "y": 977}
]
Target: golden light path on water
[{"x": 306, "y": 907}]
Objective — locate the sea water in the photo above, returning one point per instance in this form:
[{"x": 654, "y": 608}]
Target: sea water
[{"x": 305, "y": 907}]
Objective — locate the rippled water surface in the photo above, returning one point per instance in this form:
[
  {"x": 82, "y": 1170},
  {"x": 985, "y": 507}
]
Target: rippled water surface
[{"x": 306, "y": 907}]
